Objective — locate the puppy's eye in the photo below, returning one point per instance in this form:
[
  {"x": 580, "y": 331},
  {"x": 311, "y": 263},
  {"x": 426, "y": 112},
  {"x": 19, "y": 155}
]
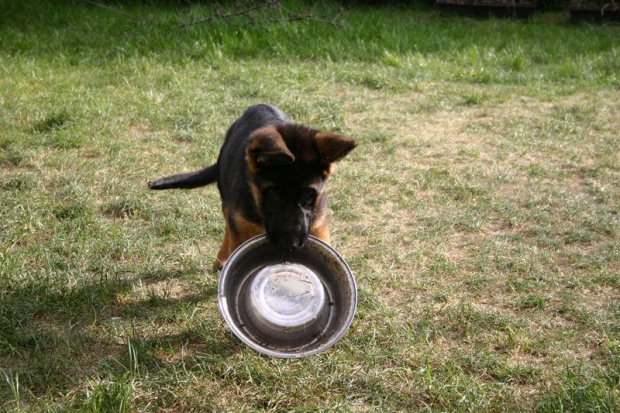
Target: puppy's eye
[{"x": 308, "y": 197}]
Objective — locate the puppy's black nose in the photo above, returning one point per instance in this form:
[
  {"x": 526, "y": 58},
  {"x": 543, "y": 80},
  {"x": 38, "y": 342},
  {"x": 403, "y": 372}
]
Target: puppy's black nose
[{"x": 287, "y": 242}]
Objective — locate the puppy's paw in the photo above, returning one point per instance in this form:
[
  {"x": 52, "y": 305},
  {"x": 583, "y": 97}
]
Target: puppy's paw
[{"x": 218, "y": 264}]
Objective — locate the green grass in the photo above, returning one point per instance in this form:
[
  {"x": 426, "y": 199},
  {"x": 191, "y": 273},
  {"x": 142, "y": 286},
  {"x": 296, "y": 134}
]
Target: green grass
[{"x": 479, "y": 214}]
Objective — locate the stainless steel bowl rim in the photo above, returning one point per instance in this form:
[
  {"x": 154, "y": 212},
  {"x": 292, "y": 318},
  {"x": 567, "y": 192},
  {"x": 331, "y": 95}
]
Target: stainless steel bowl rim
[{"x": 237, "y": 331}]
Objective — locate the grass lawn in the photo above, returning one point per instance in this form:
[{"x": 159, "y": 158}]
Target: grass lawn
[{"x": 480, "y": 213}]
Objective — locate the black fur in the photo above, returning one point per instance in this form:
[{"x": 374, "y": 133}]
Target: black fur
[{"x": 189, "y": 180}]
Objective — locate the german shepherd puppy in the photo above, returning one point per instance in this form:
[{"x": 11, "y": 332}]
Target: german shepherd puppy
[{"x": 272, "y": 176}]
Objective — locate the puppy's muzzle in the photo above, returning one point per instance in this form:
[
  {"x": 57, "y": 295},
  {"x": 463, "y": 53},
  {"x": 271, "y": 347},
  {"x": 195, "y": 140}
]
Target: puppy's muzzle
[{"x": 286, "y": 241}]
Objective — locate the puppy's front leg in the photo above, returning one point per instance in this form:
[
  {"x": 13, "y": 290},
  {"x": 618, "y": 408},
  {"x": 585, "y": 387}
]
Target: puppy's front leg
[{"x": 225, "y": 249}]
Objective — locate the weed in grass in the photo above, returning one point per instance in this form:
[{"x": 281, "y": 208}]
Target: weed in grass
[
  {"x": 580, "y": 391},
  {"x": 13, "y": 383},
  {"x": 531, "y": 301},
  {"x": 485, "y": 365},
  {"x": 110, "y": 396},
  {"x": 71, "y": 211},
  {"x": 441, "y": 297},
  {"x": 11, "y": 157},
  {"x": 22, "y": 182},
  {"x": 469, "y": 153},
  {"x": 52, "y": 122},
  {"x": 611, "y": 279},
  {"x": 477, "y": 283},
  {"x": 128, "y": 208},
  {"x": 474, "y": 98}
]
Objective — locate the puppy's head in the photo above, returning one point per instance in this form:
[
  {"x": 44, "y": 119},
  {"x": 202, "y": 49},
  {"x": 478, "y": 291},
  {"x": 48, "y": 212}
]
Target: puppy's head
[{"x": 289, "y": 166}]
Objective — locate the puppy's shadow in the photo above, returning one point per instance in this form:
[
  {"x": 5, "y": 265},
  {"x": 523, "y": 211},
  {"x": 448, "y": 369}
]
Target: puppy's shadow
[
  {"x": 200, "y": 338},
  {"x": 55, "y": 337}
]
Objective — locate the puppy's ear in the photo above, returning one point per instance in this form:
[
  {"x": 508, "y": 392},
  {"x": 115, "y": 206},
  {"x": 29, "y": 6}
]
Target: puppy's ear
[
  {"x": 267, "y": 148},
  {"x": 333, "y": 147}
]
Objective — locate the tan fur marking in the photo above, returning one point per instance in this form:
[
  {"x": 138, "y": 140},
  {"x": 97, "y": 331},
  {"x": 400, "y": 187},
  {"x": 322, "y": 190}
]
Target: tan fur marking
[
  {"x": 256, "y": 195},
  {"x": 317, "y": 187},
  {"x": 224, "y": 251},
  {"x": 266, "y": 145},
  {"x": 321, "y": 232},
  {"x": 328, "y": 171},
  {"x": 320, "y": 227},
  {"x": 245, "y": 230}
]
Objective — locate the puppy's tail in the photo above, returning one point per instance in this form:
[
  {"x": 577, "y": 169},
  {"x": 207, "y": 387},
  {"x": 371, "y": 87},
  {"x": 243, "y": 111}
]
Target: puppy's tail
[{"x": 188, "y": 180}]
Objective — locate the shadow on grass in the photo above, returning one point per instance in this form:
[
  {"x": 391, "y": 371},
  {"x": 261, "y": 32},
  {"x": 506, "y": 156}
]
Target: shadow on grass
[{"x": 53, "y": 339}]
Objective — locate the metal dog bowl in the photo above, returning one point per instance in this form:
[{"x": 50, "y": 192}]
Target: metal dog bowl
[{"x": 288, "y": 305}]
